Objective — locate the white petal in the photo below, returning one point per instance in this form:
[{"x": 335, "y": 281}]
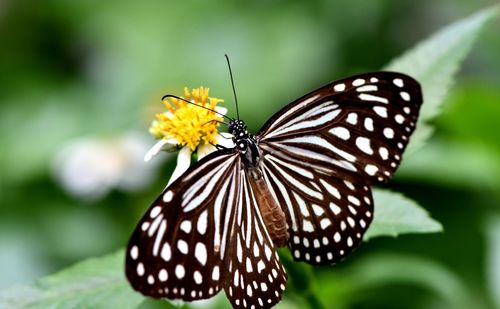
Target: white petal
[
  {"x": 225, "y": 139},
  {"x": 183, "y": 162},
  {"x": 221, "y": 110},
  {"x": 204, "y": 150},
  {"x": 158, "y": 147}
]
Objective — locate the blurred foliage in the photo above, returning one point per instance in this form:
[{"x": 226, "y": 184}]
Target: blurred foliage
[
  {"x": 97, "y": 70},
  {"x": 99, "y": 283}
]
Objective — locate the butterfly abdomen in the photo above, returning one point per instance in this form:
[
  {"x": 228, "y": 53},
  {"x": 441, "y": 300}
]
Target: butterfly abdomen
[{"x": 274, "y": 218}]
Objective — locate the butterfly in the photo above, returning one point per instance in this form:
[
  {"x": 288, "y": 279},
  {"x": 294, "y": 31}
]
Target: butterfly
[{"x": 303, "y": 182}]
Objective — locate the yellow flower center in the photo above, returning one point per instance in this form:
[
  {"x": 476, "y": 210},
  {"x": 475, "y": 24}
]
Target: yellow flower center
[{"x": 189, "y": 124}]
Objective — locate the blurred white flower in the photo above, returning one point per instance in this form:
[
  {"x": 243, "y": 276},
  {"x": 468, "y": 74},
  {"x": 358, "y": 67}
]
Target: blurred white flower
[{"x": 90, "y": 167}]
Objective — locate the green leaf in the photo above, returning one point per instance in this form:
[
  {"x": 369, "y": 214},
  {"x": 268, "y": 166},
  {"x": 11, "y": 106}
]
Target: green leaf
[
  {"x": 375, "y": 272},
  {"x": 434, "y": 63},
  {"x": 94, "y": 283},
  {"x": 493, "y": 257},
  {"x": 396, "y": 214}
]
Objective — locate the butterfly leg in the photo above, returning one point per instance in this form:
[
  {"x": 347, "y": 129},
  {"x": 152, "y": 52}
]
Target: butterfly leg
[{"x": 218, "y": 146}]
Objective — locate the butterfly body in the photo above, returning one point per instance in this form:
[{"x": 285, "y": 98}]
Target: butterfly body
[
  {"x": 272, "y": 214},
  {"x": 303, "y": 181}
]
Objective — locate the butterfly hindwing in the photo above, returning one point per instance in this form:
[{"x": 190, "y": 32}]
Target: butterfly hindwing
[
  {"x": 256, "y": 277},
  {"x": 326, "y": 215}
]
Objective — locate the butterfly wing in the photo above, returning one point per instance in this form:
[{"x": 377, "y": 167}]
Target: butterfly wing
[
  {"x": 326, "y": 216},
  {"x": 205, "y": 233},
  {"x": 321, "y": 152},
  {"x": 256, "y": 276}
]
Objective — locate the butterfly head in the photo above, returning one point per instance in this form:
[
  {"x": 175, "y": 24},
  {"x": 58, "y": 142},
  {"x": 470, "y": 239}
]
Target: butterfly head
[{"x": 238, "y": 129}]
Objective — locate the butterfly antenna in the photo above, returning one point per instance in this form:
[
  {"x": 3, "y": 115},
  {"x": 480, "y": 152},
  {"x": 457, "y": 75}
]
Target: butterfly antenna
[
  {"x": 232, "y": 84},
  {"x": 189, "y": 102}
]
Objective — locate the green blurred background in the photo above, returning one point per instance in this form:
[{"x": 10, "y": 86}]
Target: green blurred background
[{"x": 80, "y": 82}]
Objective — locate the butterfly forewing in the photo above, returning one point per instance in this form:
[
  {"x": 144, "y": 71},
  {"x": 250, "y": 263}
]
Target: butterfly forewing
[
  {"x": 321, "y": 153},
  {"x": 364, "y": 122}
]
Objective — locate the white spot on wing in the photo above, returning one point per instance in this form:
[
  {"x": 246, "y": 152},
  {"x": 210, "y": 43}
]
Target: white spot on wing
[
  {"x": 358, "y": 82},
  {"x": 249, "y": 267},
  {"x": 325, "y": 222},
  {"x": 239, "y": 250},
  {"x": 182, "y": 246},
  {"x": 155, "y": 211},
  {"x": 134, "y": 252},
  {"x": 384, "y": 153},
  {"x": 200, "y": 252},
  {"x": 398, "y": 82},
  {"x": 388, "y": 132},
  {"x": 381, "y": 111},
  {"x": 351, "y": 221},
  {"x": 369, "y": 124},
  {"x": 331, "y": 189},
  {"x": 352, "y": 118},
  {"x": 260, "y": 266},
  {"x": 140, "y": 269},
  {"x": 215, "y": 273},
  {"x": 354, "y": 200},
  {"x": 370, "y": 97},
  {"x": 268, "y": 252},
  {"x": 186, "y": 226},
  {"x": 363, "y": 144},
  {"x": 371, "y": 169},
  {"x": 349, "y": 185},
  {"x": 339, "y": 87},
  {"x": 197, "y": 277},
  {"x": 201, "y": 225},
  {"x": 145, "y": 225},
  {"x": 166, "y": 252},
  {"x": 335, "y": 209},
  {"x": 341, "y": 132},
  {"x": 336, "y": 237},
  {"x": 367, "y": 88},
  {"x": 167, "y": 197},
  {"x": 180, "y": 271},
  {"x": 318, "y": 210},
  {"x": 307, "y": 226},
  {"x": 162, "y": 275},
  {"x": 399, "y": 118}
]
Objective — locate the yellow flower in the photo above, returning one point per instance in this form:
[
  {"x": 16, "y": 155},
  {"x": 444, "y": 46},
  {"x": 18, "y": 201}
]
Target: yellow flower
[{"x": 188, "y": 127}]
